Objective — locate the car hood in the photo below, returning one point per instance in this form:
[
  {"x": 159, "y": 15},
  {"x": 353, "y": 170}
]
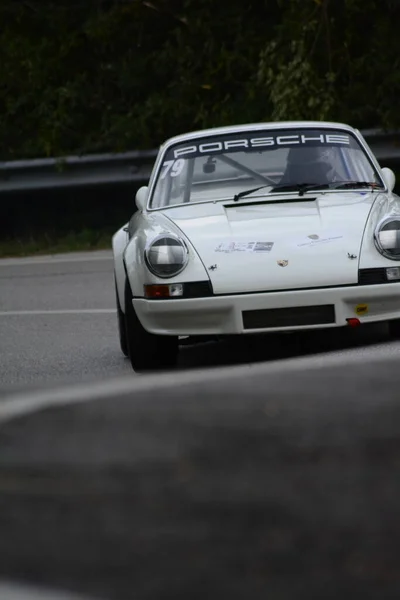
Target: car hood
[{"x": 285, "y": 243}]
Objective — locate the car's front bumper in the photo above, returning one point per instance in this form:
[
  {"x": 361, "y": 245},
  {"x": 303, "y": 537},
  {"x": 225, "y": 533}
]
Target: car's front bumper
[{"x": 233, "y": 314}]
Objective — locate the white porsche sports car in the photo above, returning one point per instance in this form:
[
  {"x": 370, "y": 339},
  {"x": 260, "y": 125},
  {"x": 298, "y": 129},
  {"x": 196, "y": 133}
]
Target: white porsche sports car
[{"x": 254, "y": 229}]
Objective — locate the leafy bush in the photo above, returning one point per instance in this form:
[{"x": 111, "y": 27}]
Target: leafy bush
[{"x": 95, "y": 75}]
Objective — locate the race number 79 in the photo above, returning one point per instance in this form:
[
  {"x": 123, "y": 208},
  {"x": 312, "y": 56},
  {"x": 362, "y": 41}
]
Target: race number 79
[{"x": 173, "y": 167}]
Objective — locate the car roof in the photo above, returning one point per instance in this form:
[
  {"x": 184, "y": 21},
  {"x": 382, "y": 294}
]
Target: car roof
[{"x": 254, "y": 127}]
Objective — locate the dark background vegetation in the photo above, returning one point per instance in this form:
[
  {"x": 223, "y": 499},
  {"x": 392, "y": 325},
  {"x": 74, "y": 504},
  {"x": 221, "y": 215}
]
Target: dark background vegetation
[{"x": 84, "y": 76}]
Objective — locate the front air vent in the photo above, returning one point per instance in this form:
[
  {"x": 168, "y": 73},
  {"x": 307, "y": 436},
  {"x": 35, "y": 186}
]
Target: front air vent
[
  {"x": 373, "y": 277},
  {"x": 296, "y": 316}
]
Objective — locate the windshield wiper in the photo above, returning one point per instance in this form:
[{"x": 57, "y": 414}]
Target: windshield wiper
[
  {"x": 297, "y": 187},
  {"x": 355, "y": 184},
  {"x": 300, "y": 187},
  {"x": 237, "y": 197},
  {"x": 308, "y": 187}
]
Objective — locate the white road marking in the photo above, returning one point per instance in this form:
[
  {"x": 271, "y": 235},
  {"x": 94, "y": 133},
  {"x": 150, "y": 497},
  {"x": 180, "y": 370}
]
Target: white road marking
[
  {"x": 78, "y": 311},
  {"x": 57, "y": 258},
  {"x": 23, "y": 403}
]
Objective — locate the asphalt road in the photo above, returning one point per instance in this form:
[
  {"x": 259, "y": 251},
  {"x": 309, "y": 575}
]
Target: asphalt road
[
  {"x": 58, "y": 325},
  {"x": 57, "y": 320}
]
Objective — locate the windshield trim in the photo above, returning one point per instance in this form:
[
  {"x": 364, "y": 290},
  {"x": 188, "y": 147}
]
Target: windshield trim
[{"x": 252, "y": 130}]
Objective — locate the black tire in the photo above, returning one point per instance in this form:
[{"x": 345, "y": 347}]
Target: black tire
[
  {"x": 123, "y": 342},
  {"x": 394, "y": 328},
  {"x": 146, "y": 350}
]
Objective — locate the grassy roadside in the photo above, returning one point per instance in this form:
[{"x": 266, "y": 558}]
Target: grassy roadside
[{"x": 85, "y": 240}]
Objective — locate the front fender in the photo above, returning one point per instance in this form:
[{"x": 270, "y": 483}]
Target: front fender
[
  {"x": 370, "y": 257},
  {"x": 147, "y": 228}
]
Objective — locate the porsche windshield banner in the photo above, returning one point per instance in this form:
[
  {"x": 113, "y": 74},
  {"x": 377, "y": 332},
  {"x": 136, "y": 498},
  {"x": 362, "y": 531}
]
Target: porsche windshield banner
[{"x": 251, "y": 141}]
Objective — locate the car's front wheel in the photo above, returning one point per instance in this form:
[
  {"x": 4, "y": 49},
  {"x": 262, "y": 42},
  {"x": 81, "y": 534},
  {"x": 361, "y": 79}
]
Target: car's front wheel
[
  {"x": 123, "y": 342},
  {"x": 394, "y": 328},
  {"x": 146, "y": 350}
]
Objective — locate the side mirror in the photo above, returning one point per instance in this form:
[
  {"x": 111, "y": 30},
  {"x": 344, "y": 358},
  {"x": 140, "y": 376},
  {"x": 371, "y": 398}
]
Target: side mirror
[
  {"x": 141, "y": 198},
  {"x": 389, "y": 177}
]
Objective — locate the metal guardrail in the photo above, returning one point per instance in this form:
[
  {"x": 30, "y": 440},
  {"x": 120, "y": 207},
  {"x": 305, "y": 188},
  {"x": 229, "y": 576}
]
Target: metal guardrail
[
  {"x": 130, "y": 167},
  {"x": 384, "y": 144},
  {"x": 76, "y": 171}
]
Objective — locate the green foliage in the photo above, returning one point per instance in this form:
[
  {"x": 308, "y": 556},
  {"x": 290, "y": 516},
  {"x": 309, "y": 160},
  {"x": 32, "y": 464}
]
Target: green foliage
[
  {"x": 110, "y": 75},
  {"x": 296, "y": 89}
]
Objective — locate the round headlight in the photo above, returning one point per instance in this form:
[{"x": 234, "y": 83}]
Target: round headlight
[
  {"x": 166, "y": 255},
  {"x": 387, "y": 237}
]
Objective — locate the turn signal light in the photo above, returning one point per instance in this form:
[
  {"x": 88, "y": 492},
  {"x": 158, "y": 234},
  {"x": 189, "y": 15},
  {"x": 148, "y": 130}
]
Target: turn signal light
[
  {"x": 393, "y": 273},
  {"x": 171, "y": 290}
]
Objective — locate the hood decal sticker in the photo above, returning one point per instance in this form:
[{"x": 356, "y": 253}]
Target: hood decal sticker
[
  {"x": 228, "y": 247},
  {"x": 317, "y": 240}
]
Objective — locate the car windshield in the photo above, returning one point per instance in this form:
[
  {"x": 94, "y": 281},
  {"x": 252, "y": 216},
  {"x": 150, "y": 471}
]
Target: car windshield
[{"x": 220, "y": 167}]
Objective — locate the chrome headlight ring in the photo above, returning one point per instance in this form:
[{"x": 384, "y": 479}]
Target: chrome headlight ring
[
  {"x": 387, "y": 237},
  {"x": 166, "y": 255}
]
